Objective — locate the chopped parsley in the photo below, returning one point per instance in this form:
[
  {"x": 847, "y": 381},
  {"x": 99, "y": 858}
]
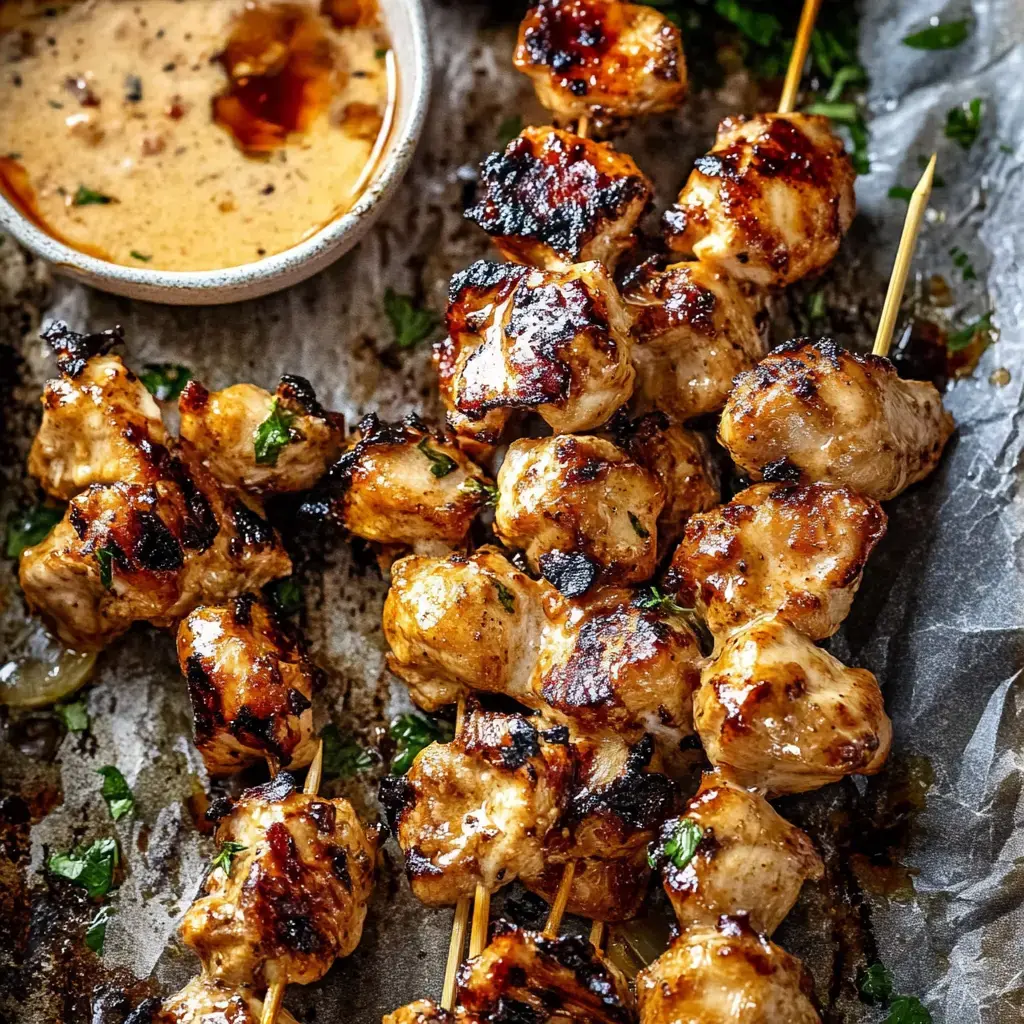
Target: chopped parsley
[
  {"x": 959, "y": 340},
  {"x": 92, "y": 867},
  {"x": 509, "y": 129},
  {"x": 875, "y": 984},
  {"x": 165, "y": 381},
  {"x": 939, "y": 37},
  {"x": 105, "y": 559},
  {"x": 638, "y": 528},
  {"x": 908, "y": 1010},
  {"x": 26, "y": 529},
  {"x": 74, "y": 715},
  {"x": 679, "y": 846},
  {"x": 226, "y": 854},
  {"x": 651, "y": 599},
  {"x": 489, "y": 492},
  {"x": 97, "y": 930},
  {"x": 901, "y": 192},
  {"x": 411, "y": 323},
  {"x": 815, "y": 306},
  {"x": 440, "y": 464},
  {"x": 136, "y": 255},
  {"x": 411, "y": 733},
  {"x": 343, "y": 757},
  {"x": 963, "y": 263},
  {"x": 761, "y": 27},
  {"x": 116, "y": 792},
  {"x": 506, "y": 597},
  {"x": 272, "y": 435},
  {"x": 90, "y": 197},
  {"x": 285, "y": 595},
  {"x": 964, "y": 122}
]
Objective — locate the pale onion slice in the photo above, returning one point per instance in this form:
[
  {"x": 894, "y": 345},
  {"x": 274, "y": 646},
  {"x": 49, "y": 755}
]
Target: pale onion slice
[{"x": 42, "y": 671}]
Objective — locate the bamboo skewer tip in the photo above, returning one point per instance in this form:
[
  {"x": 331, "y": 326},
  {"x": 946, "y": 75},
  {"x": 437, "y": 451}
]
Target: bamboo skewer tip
[
  {"x": 561, "y": 901},
  {"x": 801, "y": 45}
]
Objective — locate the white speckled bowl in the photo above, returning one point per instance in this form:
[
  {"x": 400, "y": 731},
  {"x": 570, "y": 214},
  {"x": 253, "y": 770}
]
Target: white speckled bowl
[{"x": 407, "y": 29}]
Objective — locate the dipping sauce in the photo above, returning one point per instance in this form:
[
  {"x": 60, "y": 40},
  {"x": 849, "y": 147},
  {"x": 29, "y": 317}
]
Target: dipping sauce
[{"x": 190, "y": 134}]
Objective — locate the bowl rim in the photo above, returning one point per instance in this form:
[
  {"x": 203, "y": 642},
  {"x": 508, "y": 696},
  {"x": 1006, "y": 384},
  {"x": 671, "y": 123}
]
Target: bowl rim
[{"x": 278, "y": 270}]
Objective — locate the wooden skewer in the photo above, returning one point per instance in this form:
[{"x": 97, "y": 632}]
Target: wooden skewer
[
  {"x": 272, "y": 1003},
  {"x": 583, "y": 126},
  {"x": 597, "y": 934},
  {"x": 801, "y": 45},
  {"x": 904, "y": 256},
  {"x": 561, "y": 901}
]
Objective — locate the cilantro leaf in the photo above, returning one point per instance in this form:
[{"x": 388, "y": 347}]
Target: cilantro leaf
[
  {"x": 901, "y": 192},
  {"x": 411, "y": 733},
  {"x": 165, "y": 381},
  {"x": 651, "y": 599},
  {"x": 411, "y": 323},
  {"x": 25, "y": 529},
  {"x": 285, "y": 595},
  {"x": 272, "y": 434},
  {"x": 226, "y": 854},
  {"x": 961, "y": 339},
  {"x": 90, "y": 197},
  {"x": 509, "y": 129},
  {"x": 962, "y": 262},
  {"x": 908, "y": 1010},
  {"x": 74, "y": 715},
  {"x": 440, "y": 464},
  {"x": 343, "y": 757},
  {"x": 506, "y": 597},
  {"x": 116, "y": 792},
  {"x": 875, "y": 984},
  {"x": 964, "y": 122},
  {"x": 92, "y": 867},
  {"x": 678, "y": 846},
  {"x": 760, "y": 26},
  {"x": 489, "y": 492},
  {"x": 638, "y": 528},
  {"x": 939, "y": 37},
  {"x": 97, "y": 930}
]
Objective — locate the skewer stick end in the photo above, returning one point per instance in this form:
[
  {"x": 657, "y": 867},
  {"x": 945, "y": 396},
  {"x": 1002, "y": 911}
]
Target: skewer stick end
[
  {"x": 272, "y": 1002},
  {"x": 561, "y": 901}
]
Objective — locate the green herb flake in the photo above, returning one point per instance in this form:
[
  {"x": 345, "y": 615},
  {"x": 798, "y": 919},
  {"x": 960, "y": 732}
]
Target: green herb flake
[
  {"x": 440, "y": 464},
  {"x": 939, "y": 37},
  {"x": 74, "y": 715},
  {"x": 343, "y": 757},
  {"x": 285, "y": 595},
  {"x": 964, "y": 122},
  {"x": 272, "y": 435},
  {"x": 638, "y": 528},
  {"x": 959, "y": 340},
  {"x": 506, "y": 597},
  {"x": 844, "y": 113},
  {"x": 489, "y": 492},
  {"x": 901, "y": 192},
  {"x": 963, "y": 263},
  {"x": 908, "y": 1010},
  {"x": 116, "y": 792},
  {"x": 141, "y": 256},
  {"x": 225, "y": 858},
  {"x": 815, "y": 306},
  {"x": 381, "y": 52},
  {"x": 679, "y": 847},
  {"x": 651, "y": 599},
  {"x": 875, "y": 984},
  {"x": 411, "y": 733},
  {"x": 509, "y": 129},
  {"x": 92, "y": 867},
  {"x": 90, "y": 197},
  {"x": 97, "y": 930},
  {"x": 411, "y": 324},
  {"x": 165, "y": 381},
  {"x": 760, "y": 26},
  {"x": 26, "y": 529},
  {"x": 105, "y": 560}
]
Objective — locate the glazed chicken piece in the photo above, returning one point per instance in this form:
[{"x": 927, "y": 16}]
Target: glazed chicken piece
[
  {"x": 693, "y": 331},
  {"x": 99, "y": 422},
  {"x": 522, "y": 340},
  {"x": 204, "y": 1001},
  {"x": 292, "y": 898},
  {"x": 399, "y": 484},
  {"x": 748, "y": 860},
  {"x": 552, "y": 199},
  {"x": 475, "y": 811},
  {"x": 128, "y": 552},
  {"x": 251, "y": 686},
  {"x": 793, "y": 550},
  {"x": 525, "y": 976},
  {"x": 601, "y": 59},
  {"x": 770, "y": 203},
  {"x": 581, "y": 510},
  {"x": 422, "y": 1011},
  {"x": 783, "y": 716},
  {"x": 466, "y": 622},
  {"x": 260, "y": 442},
  {"x": 681, "y": 460},
  {"x": 813, "y": 411},
  {"x": 725, "y": 974}
]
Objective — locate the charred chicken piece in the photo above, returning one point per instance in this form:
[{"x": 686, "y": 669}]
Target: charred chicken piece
[
  {"x": 693, "y": 331},
  {"x": 260, "y": 442},
  {"x": 793, "y": 550},
  {"x": 525, "y": 976},
  {"x": 813, "y": 411},
  {"x": 749, "y": 859},
  {"x": 725, "y": 975},
  {"x": 100, "y": 424},
  {"x": 251, "y": 686},
  {"x": 770, "y": 203},
  {"x": 293, "y": 898},
  {"x": 783, "y": 716},
  {"x": 422, "y": 1011},
  {"x": 129, "y": 552},
  {"x": 580, "y": 509},
  {"x": 399, "y": 484},
  {"x": 601, "y": 59},
  {"x": 205, "y": 1001},
  {"x": 681, "y": 460},
  {"x": 475, "y": 811},
  {"x": 466, "y": 622},
  {"x": 522, "y": 340},
  {"x": 552, "y": 199}
]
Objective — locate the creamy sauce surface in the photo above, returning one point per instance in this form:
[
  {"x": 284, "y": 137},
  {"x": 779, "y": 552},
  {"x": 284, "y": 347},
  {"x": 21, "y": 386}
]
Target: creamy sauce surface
[{"x": 189, "y": 134}]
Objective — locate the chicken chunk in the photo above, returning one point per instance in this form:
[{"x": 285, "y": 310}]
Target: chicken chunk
[
  {"x": 399, "y": 484},
  {"x": 770, "y": 203},
  {"x": 693, "y": 331},
  {"x": 291, "y": 897},
  {"x": 783, "y": 716},
  {"x": 204, "y": 1001},
  {"x": 422, "y": 1011},
  {"x": 552, "y": 199},
  {"x": 251, "y": 686},
  {"x": 260, "y": 442},
  {"x": 466, "y": 622},
  {"x": 725, "y": 975},
  {"x": 813, "y": 411},
  {"x": 793, "y": 550},
  {"x": 681, "y": 460},
  {"x": 519, "y": 340},
  {"x": 601, "y": 59},
  {"x": 748, "y": 859},
  {"x": 476, "y": 811},
  {"x": 131, "y": 552},
  {"x": 581, "y": 510},
  {"x": 99, "y": 422},
  {"x": 525, "y": 976}
]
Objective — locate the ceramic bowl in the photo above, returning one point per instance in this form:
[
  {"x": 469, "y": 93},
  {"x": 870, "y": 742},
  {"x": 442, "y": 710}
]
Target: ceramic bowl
[{"x": 407, "y": 28}]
